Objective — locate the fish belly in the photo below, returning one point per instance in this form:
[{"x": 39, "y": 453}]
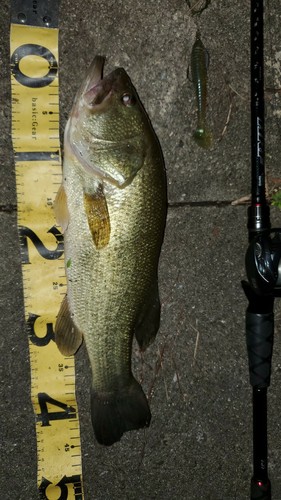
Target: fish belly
[{"x": 107, "y": 290}]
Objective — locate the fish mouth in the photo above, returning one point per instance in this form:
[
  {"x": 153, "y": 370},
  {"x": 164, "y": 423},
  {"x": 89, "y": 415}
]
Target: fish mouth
[
  {"x": 97, "y": 89},
  {"x": 95, "y": 72}
]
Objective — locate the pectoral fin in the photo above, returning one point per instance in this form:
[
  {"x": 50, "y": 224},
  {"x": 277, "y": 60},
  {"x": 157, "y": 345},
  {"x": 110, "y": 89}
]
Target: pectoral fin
[
  {"x": 61, "y": 210},
  {"x": 148, "y": 322},
  {"x": 98, "y": 217},
  {"x": 67, "y": 336}
]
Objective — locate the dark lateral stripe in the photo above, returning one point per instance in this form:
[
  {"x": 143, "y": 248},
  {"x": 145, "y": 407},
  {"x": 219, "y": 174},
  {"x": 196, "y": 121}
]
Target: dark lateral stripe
[{"x": 37, "y": 156}]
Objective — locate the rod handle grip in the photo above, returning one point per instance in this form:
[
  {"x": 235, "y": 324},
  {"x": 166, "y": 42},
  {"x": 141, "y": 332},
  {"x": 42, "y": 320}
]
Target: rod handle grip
[{"x": 259, "y": 337}]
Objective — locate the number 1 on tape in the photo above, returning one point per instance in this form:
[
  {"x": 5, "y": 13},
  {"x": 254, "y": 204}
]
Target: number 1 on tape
[{"x": 35, "y": 133}]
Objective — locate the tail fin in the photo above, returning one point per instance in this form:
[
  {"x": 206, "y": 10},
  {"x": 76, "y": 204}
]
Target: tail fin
[
  {"x": 203, "y": 137},
  {"x": 114, "y": 413}
]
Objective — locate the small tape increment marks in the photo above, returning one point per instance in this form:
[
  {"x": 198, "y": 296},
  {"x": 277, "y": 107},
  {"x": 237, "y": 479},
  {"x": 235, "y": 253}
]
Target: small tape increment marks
[{"x": 35, "y": 134}]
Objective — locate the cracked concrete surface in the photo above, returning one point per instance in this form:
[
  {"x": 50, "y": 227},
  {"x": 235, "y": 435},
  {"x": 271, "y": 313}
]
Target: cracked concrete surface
[{"x": 196, "y": 374}]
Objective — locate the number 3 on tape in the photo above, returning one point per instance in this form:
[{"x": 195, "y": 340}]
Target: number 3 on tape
[{"x": 35, "y": 133}]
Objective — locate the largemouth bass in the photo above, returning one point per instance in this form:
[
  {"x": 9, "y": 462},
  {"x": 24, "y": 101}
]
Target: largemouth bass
[
  {"x": 112, "y": 208},
  {"x": 199, "y": 67}
]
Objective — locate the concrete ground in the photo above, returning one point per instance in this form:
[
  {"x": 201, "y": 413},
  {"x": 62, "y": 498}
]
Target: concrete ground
[{"x": 199, "y": 443}]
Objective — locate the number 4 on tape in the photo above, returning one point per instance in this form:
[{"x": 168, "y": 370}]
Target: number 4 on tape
[{"x": 35, "y": 133}]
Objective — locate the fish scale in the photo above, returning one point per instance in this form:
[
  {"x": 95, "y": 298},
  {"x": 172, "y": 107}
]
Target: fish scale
[
  {"x": 109, "y": 267},
  {"x": 115, "y": 190}
]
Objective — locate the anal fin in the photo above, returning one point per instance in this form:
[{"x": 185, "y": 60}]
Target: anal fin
[
  {"x": 98, "y": 217},
  {"x": 67, "y": 336},
  {"x": 148, "y": 322}
]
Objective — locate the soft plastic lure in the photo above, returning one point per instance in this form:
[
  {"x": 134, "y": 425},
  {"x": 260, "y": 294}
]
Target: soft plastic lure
[{"x": 199, "y": 66}]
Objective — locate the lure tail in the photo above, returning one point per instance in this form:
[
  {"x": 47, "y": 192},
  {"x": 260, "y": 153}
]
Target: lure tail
[
  {"x": 114, "y": 413},
  {"x": 203, "y": 137}
]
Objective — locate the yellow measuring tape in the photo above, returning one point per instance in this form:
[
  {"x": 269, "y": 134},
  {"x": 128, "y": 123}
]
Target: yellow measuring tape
[{"x": 35, "y": 133}]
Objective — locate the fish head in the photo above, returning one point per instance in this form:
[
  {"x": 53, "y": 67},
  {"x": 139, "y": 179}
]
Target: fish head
[
  {"x": 107, "y": 129},
  {"x": 115, "y": 112}
]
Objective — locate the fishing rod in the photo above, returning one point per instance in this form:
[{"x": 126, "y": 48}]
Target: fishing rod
[{"x": 263, "y": 268}]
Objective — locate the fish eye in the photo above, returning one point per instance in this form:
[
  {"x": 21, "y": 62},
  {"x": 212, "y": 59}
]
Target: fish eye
[{"x": 128, "y": 99}]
